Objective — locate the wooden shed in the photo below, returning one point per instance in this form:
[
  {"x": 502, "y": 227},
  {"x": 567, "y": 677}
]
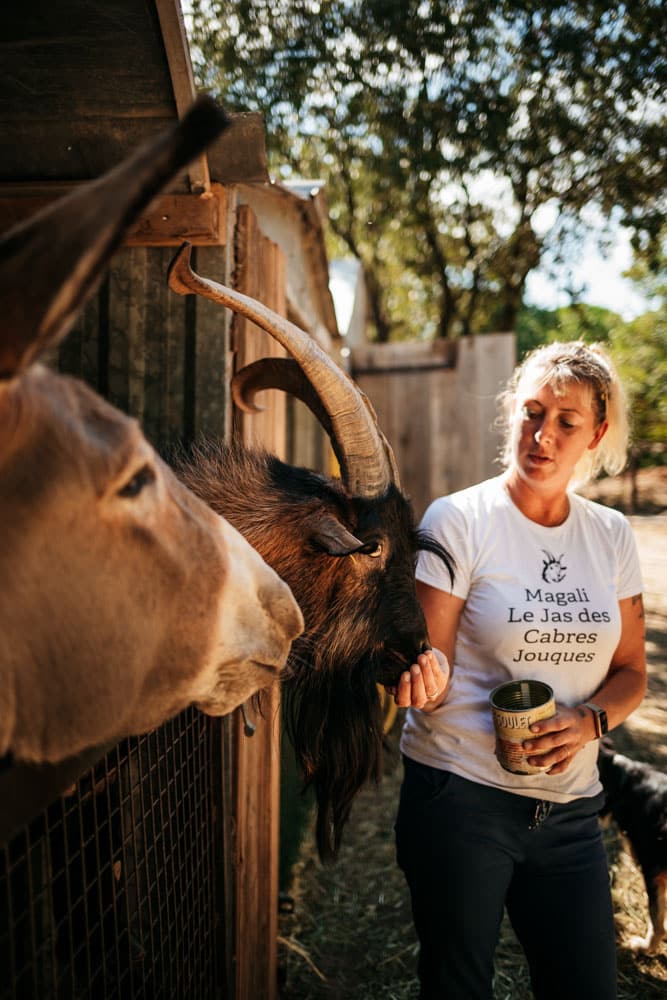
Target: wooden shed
[{"x": 151, "y": 868}]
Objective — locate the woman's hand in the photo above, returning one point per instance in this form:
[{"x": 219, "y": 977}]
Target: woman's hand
[
  {"x": 570, "y": 729},
  {"x": 425, "y": 684},
  {"x": 559, "y": 739}
]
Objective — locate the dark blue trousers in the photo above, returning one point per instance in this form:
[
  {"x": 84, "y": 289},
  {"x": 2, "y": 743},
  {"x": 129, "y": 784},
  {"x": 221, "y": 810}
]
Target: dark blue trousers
[{"x": 468, "y": 851}]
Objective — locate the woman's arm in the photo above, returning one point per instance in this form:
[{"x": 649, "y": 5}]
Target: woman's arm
[
  {"x": 425, "y": 685},
  {"x": 620, "y": 693},
  {"x": 625, "y": 685}
]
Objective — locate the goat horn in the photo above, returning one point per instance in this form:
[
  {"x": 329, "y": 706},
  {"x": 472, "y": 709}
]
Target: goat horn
[
  {"x": 285, "y": 374},
  {"x": 277, "y": 373},
  {"x": 368, "y": 467}
]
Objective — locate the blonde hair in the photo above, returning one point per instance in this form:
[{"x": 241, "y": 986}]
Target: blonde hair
[{"x": 560, "y": 365}]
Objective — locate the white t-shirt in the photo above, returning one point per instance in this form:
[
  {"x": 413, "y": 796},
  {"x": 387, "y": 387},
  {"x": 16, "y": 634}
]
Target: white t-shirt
[{"x": 539, "y": 602}]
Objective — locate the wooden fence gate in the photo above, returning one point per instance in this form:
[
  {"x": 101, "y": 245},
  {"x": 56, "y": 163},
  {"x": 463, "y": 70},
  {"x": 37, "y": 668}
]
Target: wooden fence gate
[{"x": 436, "y": 403}]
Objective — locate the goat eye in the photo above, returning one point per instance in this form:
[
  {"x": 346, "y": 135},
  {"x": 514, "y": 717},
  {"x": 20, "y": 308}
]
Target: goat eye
[
  {"x": 133, "y": 487},
  {"x": 373, "y": 549}
]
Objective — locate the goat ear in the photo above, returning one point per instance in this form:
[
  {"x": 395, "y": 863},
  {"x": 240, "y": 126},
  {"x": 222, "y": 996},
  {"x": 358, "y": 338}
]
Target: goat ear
[
  {"x": 333, "y": 537},
  {"x": 50, "y": 265}
]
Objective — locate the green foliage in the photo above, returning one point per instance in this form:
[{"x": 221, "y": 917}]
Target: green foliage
[
  {"x": 649, "y": 269},
  {"x": 536, "y": 326},
  {"x": 445, "y": 130},
  {"x": 640, "y": 351}
]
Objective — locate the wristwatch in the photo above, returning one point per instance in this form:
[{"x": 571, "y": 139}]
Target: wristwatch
[{"x": 599, "y": 717}]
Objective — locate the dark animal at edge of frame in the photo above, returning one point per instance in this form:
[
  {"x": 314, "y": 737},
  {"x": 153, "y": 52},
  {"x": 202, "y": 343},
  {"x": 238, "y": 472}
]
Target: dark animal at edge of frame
[{"x": 636, "y": 797}]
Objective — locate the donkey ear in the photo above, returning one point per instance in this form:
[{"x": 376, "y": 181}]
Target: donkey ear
[{"x": 50, "y": 265}]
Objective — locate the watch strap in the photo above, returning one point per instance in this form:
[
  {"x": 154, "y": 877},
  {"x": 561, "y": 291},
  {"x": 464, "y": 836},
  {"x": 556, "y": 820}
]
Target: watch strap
[{"x": 599, "y": 717}]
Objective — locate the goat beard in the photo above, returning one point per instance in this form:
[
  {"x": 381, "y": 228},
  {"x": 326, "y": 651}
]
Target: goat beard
[{"x": 334, "y": 722}]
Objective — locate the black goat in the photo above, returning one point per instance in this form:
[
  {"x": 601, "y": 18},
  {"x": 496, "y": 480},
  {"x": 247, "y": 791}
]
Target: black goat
[
  {"x": 636, "y": 797},
  {"x": 347, "y": 548}
]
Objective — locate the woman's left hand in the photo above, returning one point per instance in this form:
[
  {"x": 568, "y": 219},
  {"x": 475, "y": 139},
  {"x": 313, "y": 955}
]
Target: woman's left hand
[
  {"x": 559, "y": 739},
  {"x": 425, "y": 684}
]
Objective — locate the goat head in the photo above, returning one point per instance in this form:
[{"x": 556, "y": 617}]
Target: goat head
[{"x": 347, "y": 548}]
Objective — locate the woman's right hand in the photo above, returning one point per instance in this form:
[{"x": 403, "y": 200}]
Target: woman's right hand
[{"x": 425, "y": 685}]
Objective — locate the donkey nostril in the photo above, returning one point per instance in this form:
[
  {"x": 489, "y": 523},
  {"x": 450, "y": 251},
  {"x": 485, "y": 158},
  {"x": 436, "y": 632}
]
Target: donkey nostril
[{"x": 279, "y": 603}]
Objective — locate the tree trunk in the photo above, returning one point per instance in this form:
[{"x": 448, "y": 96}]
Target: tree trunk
[
  {"x": 633, "y": 468},
  {"x": 376, "y": 304}
]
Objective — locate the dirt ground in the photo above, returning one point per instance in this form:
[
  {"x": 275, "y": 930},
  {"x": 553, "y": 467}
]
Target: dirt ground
[{"x": 350, "y": 934}]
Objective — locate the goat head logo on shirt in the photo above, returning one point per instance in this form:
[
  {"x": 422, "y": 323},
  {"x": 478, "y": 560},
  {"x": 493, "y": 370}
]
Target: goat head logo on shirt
[{"x": 553, "y": 570}]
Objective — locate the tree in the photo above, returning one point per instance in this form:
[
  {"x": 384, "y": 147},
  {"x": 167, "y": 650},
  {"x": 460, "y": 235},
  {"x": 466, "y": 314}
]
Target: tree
[
  {"x": 536, "y": 326},
  {"x": 447, "y": 130},
  {"x": 640, "y": 351}
]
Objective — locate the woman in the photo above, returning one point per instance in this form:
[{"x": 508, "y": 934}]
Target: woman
[{"x": 547, "y": 586}]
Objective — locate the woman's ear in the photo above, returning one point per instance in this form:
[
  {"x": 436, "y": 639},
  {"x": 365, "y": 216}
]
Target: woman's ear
[{"x": 599, "y": 434}]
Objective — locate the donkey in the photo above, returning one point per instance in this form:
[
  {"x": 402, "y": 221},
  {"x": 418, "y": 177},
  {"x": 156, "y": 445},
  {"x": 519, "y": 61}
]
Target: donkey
[
  {"x": 346, "y": 547},
  {"x": 124, "y": 598}
]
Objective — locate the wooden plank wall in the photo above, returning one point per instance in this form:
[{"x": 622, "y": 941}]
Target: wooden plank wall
[
  {"x": 436, "y": 403},
  {"x": 161, "y": 357},
  {"x": 99, "y": 68},
  {"x": 260, "y": 273}
]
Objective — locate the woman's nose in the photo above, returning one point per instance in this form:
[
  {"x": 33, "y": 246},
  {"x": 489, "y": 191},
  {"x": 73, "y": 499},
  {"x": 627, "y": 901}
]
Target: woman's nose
[{"x": 543, "y": 433}]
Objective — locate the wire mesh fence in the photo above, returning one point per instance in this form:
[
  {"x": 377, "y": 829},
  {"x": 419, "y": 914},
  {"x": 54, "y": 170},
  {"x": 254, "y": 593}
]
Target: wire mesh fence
[{"x": 110, "y": 891}]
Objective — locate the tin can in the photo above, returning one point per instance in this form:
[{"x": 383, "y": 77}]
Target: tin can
[{"x": 516, "y": 706}]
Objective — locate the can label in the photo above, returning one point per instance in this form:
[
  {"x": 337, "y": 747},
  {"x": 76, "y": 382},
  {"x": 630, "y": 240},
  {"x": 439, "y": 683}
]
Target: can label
[{"x": 512, "y": 726}]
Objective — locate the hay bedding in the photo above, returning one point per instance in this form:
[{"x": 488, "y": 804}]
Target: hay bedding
[{"x": 350, "y": 936}]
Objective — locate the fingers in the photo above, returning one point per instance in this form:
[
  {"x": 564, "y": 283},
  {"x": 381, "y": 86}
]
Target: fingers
[
  {"x": 554, "y": 761},
  {"x": 561, "y": 766},
  {"x": 557, "y": 741},
  {"x": 433, "y": 675},
  {"x": 403, "y": 696},
  {"x": 423, "y": 684}
]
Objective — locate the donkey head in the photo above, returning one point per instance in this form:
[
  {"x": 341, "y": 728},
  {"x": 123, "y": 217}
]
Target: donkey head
[{"x": 124, "y": 597}]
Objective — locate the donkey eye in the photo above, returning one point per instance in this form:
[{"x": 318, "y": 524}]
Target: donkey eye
[{"x": 133, "y": 487}]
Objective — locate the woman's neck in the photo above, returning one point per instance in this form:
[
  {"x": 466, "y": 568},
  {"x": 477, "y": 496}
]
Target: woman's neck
[{"x": 548, "y": 508}]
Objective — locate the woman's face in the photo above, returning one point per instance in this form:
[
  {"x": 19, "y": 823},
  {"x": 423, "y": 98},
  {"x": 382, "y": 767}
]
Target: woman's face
[{"x": 551, "y": 431}]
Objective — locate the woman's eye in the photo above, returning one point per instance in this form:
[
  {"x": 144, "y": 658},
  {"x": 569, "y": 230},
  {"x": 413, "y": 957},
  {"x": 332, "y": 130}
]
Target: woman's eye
[{"x": 133, "y": 487}]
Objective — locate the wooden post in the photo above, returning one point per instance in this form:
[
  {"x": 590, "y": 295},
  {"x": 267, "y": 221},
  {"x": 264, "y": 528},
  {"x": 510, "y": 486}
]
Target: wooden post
[{"x": 261, "y": 274}]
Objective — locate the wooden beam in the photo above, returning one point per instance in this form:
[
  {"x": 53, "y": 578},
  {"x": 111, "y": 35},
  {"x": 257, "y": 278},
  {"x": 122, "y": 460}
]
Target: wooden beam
[
  {"x": 169, "y": 220},
  {"x": 177, "y": 50}
]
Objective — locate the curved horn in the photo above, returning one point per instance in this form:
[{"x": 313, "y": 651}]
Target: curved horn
[
  {"x": 285, "y": 374},
  {"x": 277, "y": 373},
  {"x": 367, "y": 462}
]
